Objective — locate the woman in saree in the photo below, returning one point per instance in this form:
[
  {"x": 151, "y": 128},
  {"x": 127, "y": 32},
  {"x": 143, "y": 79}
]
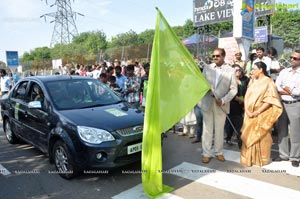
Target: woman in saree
[{"x": 262, "y": 109}]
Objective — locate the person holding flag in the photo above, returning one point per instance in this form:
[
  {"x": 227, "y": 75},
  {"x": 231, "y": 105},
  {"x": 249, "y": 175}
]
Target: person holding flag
[
  {"x": 215, "y": 104},
  {"x": 175, "y": 86}
]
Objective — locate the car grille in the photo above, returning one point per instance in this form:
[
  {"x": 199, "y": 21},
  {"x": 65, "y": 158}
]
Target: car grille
[{"x": 130, "y": 131}]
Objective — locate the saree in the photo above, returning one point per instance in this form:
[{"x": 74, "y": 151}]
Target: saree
[{"x": 256, "y": 132}]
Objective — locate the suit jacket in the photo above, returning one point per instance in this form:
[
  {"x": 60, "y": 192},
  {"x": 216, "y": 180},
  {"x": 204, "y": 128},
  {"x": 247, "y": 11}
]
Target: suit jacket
[{"x": 225, "y": 89}]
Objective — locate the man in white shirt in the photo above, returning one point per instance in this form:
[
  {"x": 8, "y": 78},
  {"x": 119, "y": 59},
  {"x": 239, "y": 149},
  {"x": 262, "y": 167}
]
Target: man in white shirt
[
  {"x": 275, "y": 67},
  {"x": 260, "y": 57},
  {"x": 5, "y": 82},
  {"x": 288, "y": 86}
]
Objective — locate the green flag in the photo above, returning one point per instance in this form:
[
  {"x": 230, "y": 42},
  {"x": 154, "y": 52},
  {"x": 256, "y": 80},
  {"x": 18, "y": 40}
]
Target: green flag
[{"x": 175, "y": 85}]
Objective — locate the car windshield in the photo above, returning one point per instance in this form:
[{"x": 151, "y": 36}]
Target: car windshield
[{"x": 80, "y": 93}]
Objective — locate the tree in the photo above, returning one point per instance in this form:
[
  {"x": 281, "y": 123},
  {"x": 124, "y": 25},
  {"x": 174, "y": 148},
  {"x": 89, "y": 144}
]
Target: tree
[
  {"x": 125, "y": 39},
  {"x": 41, "y": 58},
  {"x": 92, "y": 41},
  {"x": 27, "y": 57},
  {"x": 81, "y": 38},
  {"x": 179, "y": 31},
  {"x": 286, "y": 24},
  {"x": 220, "y": 28},
  {"x": 146, "y": 37},
  {"x": 87, "y": 45},
  {"x": 188, "y": 28},
  {"x": 96, "y": 41}
]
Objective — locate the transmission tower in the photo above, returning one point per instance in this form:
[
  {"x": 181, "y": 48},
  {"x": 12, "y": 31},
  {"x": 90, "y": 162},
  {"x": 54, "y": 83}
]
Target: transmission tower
[{"x": 65, "y": 28}]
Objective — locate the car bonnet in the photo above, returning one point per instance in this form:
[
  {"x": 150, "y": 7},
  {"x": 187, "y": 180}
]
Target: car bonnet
[{"x": 110, "y": 117}]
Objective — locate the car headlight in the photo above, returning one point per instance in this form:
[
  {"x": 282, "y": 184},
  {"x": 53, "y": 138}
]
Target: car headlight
[{"x": 93, "y": 135}]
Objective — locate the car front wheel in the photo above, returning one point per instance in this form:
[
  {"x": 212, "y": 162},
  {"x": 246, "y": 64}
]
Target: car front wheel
[
  {"x": 63, "y": 160},
  {"x": 9, "y": 134}
]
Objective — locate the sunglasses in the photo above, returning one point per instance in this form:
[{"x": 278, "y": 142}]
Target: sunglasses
[
  {"x": 295, "y": 58},
  {"x": 216, "y": 56}
]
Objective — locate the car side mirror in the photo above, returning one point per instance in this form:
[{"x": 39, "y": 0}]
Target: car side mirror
[{"x": 35, "y": 105}]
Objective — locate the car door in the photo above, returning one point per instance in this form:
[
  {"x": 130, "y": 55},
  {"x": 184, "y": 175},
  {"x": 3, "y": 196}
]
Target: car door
[
  {"x": 17, "y": 106},
  {"x": 37, "y": 119}
]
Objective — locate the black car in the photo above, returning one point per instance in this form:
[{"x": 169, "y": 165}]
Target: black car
[{"x": 77, "y": 120}]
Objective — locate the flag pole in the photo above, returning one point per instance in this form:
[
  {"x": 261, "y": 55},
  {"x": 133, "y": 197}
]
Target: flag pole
[{"x": 229, "y": 120}]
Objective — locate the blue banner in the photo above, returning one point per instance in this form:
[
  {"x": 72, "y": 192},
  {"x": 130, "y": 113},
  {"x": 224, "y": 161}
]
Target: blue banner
[
  {"x": 248, "y": 18},
  {"x": 261, "y": 35},
  {"x": 12, "y": 58}
]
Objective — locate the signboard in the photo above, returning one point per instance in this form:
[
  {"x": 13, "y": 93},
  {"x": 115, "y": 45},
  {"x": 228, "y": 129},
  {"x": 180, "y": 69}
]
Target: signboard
[
  {"x": 212, "y": 11},
  {"x": 12, "y": 58},
  {"x": 230, "y": 46},
  {"x": 261, "y": 35},
  {"x": 56, "y": 63}
]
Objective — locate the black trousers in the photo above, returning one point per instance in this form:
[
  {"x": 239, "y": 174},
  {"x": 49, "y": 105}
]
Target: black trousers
[{"x": 237, "y": 121}]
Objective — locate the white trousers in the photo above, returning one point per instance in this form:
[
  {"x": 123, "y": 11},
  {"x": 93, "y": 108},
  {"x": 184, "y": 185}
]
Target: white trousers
[{"x": 213, "y": 128}]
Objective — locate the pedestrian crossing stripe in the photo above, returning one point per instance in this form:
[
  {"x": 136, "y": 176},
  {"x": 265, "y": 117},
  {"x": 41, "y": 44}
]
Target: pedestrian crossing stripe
[
  {"x": 137, "y": 192},
  {"x": 225, "y": 181},
  {"x": 4, "y": 171},
  {"x": 233, "y": 183},
  {"x": 234, "y": 156}
]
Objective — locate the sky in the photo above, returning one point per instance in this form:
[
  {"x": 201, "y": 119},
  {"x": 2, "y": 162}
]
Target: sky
[{"x": 22, "y": 29}]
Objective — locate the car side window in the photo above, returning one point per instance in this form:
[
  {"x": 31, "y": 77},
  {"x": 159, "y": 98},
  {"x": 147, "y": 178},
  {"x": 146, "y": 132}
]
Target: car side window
[
  {"x": 20, "y": 91},
  {"x": 36, "y": 94}
]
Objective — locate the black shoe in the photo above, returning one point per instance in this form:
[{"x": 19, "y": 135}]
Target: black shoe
[
  {"x": 295, "y": 163},
  {"x": 278, "y": 159},
  {"x": 195, "y": 141},
  {"x": 180, "y": 129}
]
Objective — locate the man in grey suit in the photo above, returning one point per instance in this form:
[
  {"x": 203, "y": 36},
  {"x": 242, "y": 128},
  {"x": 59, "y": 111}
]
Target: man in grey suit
[{"x": 215, "y": 104}]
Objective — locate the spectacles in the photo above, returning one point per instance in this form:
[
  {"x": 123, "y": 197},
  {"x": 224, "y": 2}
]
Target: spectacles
[
  {"x": 295, "y": 58},
  {"x": 216, "y": 56},
  {"x": 237, "y": 70}
]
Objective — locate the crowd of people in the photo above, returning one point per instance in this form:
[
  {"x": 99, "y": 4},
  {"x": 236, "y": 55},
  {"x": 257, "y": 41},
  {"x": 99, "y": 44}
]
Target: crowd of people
[{"x": 128, "y": 81}]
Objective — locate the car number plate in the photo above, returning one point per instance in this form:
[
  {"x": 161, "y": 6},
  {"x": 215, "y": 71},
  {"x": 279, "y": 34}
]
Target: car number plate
[{"x": 134, "y": 148}]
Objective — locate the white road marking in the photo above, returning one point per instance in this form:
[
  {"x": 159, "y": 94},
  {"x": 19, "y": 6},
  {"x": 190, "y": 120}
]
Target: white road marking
[
  {"x": 234, "y": 156},
  {"x": 226, "y": 181},
  {"x": 283, "y": 165},
  {"x": 4, "y": 171},
  {"x": 232, "y": 183},
  {"x": 137, "y": 192}
]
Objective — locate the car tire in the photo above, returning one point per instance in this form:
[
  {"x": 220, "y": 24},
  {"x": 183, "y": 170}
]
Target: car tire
[
  {"x": 9, "y": 134},
  {"x": 63, "y": 161}
]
